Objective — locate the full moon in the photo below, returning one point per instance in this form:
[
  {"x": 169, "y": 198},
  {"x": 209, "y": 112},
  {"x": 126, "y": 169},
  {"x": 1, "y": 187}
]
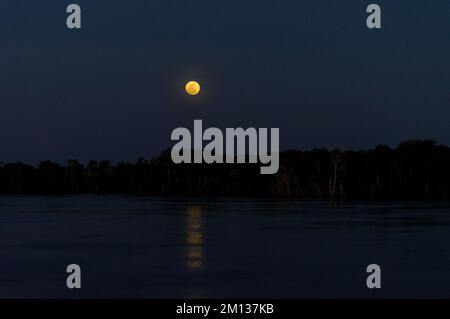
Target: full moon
[{"x": 192, "y": 88}]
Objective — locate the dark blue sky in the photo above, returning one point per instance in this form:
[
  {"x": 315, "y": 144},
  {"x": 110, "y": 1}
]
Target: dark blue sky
[{"x": 114, "y": 90}]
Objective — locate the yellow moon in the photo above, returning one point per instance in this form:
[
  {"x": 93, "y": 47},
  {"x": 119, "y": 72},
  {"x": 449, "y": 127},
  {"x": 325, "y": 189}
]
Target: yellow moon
[{"x": 193, "y": 88}]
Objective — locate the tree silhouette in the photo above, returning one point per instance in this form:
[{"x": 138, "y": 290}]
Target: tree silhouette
[{"x": 415, "y": 170}]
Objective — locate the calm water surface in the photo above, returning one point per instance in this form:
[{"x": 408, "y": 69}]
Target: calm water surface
[{"x": 222, "y": 248}]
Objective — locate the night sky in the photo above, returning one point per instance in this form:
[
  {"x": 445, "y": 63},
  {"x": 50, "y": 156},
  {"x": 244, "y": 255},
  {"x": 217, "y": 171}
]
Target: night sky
[{"x": 115, "y": 89}]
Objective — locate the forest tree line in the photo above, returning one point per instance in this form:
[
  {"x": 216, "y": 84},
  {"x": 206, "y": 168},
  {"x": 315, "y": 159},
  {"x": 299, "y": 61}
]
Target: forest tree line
[{"x": 415, "y": 170}]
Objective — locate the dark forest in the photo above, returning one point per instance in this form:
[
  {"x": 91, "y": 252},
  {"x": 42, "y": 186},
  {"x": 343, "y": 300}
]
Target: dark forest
[{"x": 415, "y": 170}]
